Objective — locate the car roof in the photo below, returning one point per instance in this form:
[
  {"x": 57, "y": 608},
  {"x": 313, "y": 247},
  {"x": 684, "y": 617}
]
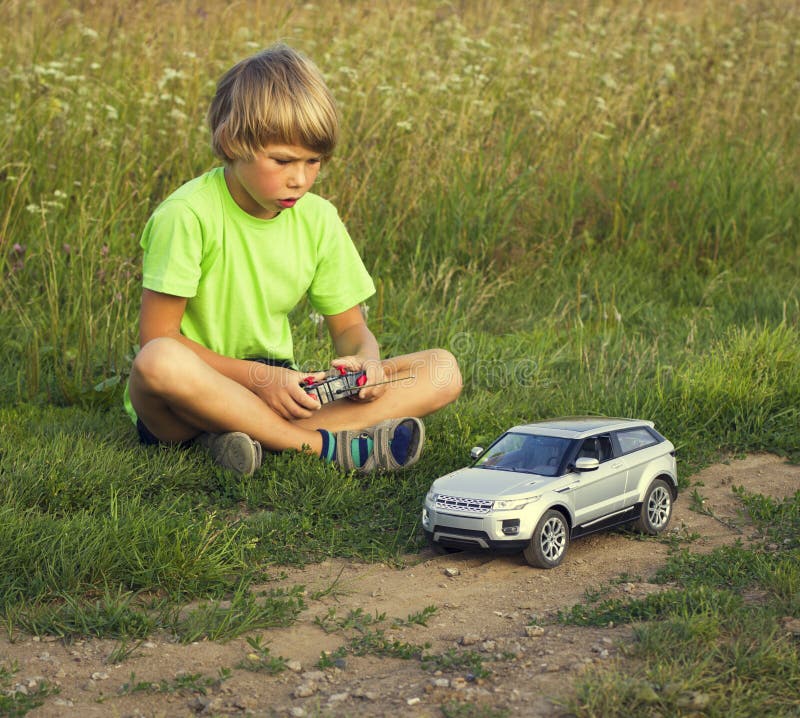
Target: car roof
[{"x": 578, "y": 427}]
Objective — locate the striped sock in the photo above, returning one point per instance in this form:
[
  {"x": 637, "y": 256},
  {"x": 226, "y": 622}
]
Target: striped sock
[{"x": 360, "y": 447}]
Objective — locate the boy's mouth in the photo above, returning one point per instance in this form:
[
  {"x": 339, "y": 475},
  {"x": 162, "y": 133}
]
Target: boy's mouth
[{"x": 286, "y": 203}]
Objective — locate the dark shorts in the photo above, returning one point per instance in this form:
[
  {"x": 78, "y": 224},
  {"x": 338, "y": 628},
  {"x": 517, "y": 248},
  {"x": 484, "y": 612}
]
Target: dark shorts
[{"x": 147, "y": 438}]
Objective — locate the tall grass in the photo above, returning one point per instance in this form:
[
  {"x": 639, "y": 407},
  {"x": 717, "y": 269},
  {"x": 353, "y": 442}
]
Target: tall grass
[{"x": 553, "y": 148}]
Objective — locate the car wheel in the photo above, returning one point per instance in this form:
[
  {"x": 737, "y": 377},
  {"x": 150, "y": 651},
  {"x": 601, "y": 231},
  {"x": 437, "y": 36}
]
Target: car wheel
[
  {"x": 549, "y": 541},
  {"x": 656, "y": 509}
]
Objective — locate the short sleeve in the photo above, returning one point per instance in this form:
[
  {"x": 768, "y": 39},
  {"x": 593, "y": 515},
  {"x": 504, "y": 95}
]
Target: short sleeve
[
  {"x": 341, "y": 280},
  {"x": 173, "y": 250}
]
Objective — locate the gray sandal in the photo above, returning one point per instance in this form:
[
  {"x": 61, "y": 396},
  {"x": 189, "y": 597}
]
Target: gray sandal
[
  {"x": 233, "y": 450},
  {"x": 381, "y": 458}
]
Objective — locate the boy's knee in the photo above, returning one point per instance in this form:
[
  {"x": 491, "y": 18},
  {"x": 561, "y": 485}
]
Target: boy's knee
[
  {"x": 157, "y": 361},
  {"x": 445, "y": 375}
]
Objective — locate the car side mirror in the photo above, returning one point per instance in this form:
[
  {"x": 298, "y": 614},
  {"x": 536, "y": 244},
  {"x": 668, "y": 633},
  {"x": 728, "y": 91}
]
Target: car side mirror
[
  {"x": 475, "y": 452},
  {"x": 586, "y": 464}
]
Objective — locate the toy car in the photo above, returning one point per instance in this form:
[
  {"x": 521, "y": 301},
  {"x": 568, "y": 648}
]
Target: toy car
[{"x": 540, "y": 485}]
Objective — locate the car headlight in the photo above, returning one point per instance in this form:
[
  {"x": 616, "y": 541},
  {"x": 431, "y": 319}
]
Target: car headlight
[
  {"x": 430, "y": 498},
  {"x": 515, "y": 504}
]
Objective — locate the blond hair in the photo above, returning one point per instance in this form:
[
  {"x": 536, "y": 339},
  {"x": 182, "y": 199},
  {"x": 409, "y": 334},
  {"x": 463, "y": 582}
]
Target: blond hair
[{"x": 277, "y": 96}]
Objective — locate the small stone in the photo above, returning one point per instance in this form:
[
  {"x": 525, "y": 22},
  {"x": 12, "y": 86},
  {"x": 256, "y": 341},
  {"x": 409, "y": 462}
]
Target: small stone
[
  {"x": 451, "y": 572},
  {"x": 297, "y": 712},
  {"x": 338, "y": 697},
  {"x": 366, "y": 695},
  {"x": 645, "y": 693},
  {"x": 99, "y": 676},
  {"x": 149, "y": 644},
  {"x": 441, "y": 682},
  {"x": 470, "y": 639},
  {"x": 791, "y": 625},
  {"x": 315, "y": 676},
  {"x": 693, "y": 700},
  {"x": 202, "y": 704},
  {"x": 304, "y": 690},
  {"x": 63, "y": 702},
  {"x": 413, "y": 701},
  {"x": 489, "y": 646},
  {"x": 534, "y": 631},
  {"x": 294, "y": 666}
]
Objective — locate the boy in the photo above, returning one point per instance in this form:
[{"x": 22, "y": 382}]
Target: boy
[{"x": 229, "y": 254}]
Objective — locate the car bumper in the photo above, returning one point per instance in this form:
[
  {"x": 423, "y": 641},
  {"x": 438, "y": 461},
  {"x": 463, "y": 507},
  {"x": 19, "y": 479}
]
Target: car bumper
[{"x": 496, "y": 530}]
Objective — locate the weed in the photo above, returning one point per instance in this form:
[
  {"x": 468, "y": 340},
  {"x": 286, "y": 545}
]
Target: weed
[
  {"x": 182, "y": 683},
  {"x": 420, "y": 618},
  {"x": 17, "y": 701},
  {"x": 123, "y": 651},
  {"x": 260, "y": 658},
  {"x": 470, "y": 662}
]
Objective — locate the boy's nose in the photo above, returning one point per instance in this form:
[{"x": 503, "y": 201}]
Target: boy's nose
[{"x": 297, "y": 178}]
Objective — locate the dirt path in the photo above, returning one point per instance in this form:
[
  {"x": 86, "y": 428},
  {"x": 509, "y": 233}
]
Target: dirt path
[{"x": 484, "y": 603}]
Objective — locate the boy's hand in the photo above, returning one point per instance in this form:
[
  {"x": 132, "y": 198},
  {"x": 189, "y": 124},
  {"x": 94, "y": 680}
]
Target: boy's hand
[
  {"x": 375, "y": 375},
  {"x": 280, "y": 390}
]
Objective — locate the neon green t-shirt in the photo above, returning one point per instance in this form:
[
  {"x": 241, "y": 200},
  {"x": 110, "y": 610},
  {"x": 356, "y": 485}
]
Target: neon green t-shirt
[{"x": 243, "y": 275}]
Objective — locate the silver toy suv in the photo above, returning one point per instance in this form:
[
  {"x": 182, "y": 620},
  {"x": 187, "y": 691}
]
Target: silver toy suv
[{"x": 540, "y": 485}]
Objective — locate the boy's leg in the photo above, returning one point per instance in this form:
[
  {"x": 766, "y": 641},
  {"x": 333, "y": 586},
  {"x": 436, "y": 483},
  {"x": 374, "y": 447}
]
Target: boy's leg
[
  {"x": 434, "y": 381},
  {"x": 178, "y": 396}
]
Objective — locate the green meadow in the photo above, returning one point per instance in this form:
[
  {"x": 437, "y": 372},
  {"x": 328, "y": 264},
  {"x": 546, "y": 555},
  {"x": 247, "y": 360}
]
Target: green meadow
[{"x": 594, "y": 206}]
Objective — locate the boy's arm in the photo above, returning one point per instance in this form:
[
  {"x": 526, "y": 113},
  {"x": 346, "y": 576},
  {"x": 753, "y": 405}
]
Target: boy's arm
[
  {"x": 279, "y": 388},
  {"x": 357, "y": 349}
]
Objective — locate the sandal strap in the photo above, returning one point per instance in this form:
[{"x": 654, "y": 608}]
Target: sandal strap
[
  {"x": 344, "y": 448},
  {"x": 381, "y": 456}
]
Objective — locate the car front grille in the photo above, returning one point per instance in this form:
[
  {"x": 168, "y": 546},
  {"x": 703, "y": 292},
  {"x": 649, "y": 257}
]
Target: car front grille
[{"x": 456, "y": 503}]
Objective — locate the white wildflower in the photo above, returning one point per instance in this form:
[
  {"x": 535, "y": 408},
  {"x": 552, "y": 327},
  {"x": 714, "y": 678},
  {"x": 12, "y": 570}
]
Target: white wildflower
[
  {"x": 609, "y": 82},
  {"x": 89, "y": 33}
]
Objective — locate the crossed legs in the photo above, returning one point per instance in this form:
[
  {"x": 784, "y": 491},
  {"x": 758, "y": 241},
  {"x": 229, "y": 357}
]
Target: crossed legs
[{"x": 178, "y": 396}]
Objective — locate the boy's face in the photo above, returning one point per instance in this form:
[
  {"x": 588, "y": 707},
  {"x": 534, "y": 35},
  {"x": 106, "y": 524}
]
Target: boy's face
[{"x": 273, "y": 180}]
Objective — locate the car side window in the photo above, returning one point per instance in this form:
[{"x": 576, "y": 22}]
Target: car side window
[
  {"x": 635, "y": 439},
  {"x": 597, "y": 447}
]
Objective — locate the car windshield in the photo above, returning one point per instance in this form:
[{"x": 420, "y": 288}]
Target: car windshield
[{"x": 529, "y": 453}]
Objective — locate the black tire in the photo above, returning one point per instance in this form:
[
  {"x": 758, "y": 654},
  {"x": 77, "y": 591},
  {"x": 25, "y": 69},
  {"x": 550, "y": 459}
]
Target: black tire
[
  {"x": 656, "y": 509},
  {"x": 549, "y": 541}
]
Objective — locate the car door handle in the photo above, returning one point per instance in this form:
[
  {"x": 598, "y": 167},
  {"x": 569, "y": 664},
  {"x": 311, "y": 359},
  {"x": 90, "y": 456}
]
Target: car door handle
[{"x": 618, "y": 465}]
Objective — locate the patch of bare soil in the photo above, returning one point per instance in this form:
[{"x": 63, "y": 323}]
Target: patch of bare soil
[{"x": 485, "y": 603}]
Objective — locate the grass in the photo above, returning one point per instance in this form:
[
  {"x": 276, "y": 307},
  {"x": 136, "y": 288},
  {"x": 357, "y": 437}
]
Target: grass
[
  {"x": 593, "y": 206},
  {"x": 717, "y": 643}
]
